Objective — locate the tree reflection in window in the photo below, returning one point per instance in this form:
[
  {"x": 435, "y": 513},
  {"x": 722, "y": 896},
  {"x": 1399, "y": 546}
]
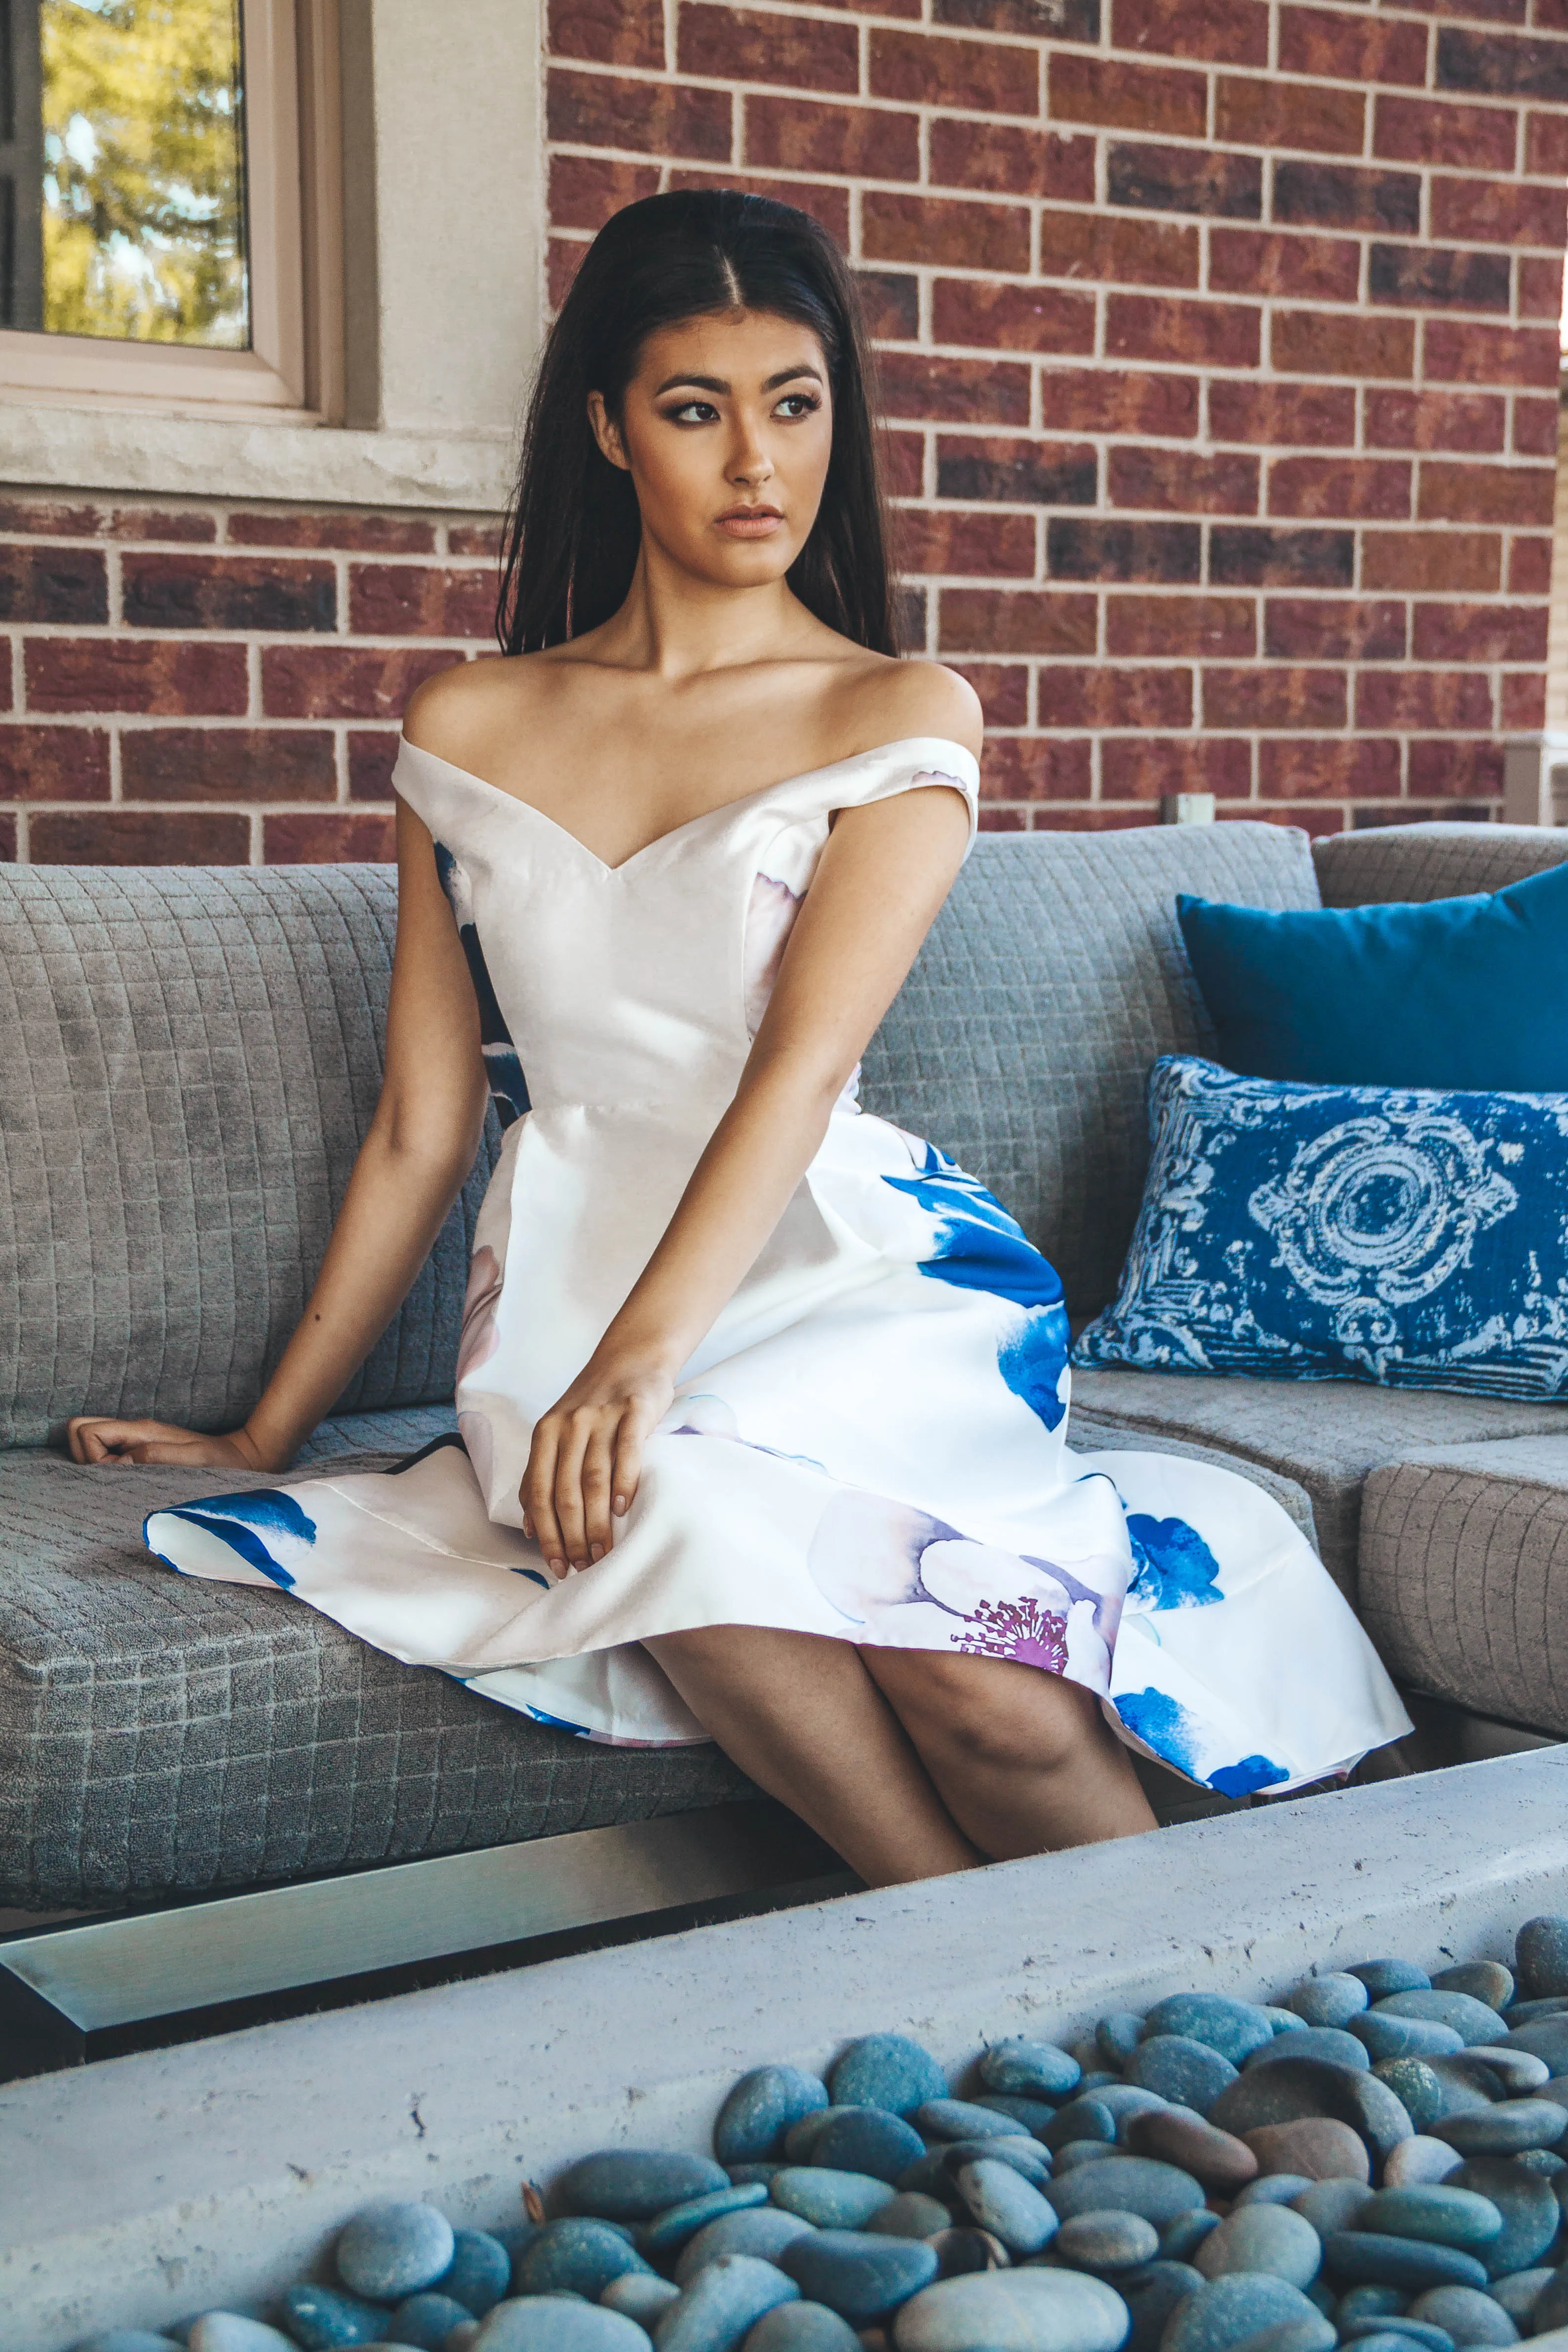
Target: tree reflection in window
[{"x": 139, "y": 208}]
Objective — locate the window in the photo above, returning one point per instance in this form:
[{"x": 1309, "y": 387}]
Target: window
[{"x": 159, "y": 239}]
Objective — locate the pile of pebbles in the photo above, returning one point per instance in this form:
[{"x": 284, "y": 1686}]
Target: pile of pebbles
[{"x": 1371, "y": 2162}]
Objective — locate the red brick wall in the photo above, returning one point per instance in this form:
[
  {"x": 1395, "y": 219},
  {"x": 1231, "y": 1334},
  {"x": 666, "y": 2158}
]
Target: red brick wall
[
  {"x": 1220, "y": 356},
  {"x": 195, "y": 684}
]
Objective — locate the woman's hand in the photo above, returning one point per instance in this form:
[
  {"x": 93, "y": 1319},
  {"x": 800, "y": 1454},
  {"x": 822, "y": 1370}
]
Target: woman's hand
[
  {"x": 586, "y": 1458},
  {"x": 94, "y": 1440}
]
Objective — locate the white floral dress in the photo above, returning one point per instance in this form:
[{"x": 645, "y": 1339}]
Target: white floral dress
[{"x": 869, "y": 1445}]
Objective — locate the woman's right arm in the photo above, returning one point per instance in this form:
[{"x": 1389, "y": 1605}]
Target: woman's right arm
[{"x": 413, "y": 1163}]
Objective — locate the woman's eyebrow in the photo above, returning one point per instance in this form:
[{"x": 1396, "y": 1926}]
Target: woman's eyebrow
[{"x": 720, "y": 385}]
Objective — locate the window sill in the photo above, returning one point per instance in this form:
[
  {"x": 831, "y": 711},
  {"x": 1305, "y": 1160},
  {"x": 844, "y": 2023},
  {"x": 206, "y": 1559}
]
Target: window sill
[{"x": 58, "y": 445}]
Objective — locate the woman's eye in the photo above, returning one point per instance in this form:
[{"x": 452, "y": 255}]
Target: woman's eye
[
  {"x": 797, "y": 404},
  {"x": 692, "y": 412}
]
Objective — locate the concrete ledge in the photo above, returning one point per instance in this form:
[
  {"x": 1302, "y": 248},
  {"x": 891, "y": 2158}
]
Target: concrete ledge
[{"x": 144, "y": 2189}]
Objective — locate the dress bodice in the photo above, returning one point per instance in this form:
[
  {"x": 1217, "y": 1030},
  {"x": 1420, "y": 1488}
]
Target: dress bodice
[{"x": 640, "y": 984}]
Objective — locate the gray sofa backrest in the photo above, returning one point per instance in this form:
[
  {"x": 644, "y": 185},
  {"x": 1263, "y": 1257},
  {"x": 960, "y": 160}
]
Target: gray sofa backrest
[
  {"x": 1431, "y": 861},
  {"x": 1054, "y": 976},
  {"x": 189, "y": 1057}
]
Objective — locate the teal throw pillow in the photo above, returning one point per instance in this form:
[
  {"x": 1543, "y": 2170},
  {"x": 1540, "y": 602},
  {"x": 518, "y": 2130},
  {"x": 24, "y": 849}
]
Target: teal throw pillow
[{"x": 1468, "y": 992}]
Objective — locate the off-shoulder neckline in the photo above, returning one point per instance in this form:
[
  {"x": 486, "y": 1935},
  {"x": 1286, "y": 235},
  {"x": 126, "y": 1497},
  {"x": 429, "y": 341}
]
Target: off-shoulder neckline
[{"x": 904, "y": 744}]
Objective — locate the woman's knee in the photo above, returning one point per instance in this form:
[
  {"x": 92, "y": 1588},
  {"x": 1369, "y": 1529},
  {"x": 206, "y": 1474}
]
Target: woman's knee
[{"x": 986, "y": 1713}]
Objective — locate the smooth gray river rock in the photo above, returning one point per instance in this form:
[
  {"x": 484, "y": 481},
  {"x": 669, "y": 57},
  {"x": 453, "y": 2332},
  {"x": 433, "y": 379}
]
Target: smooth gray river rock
[
  {"x": 1233, "y": 2028},
  {"x": 638, "y": 2297},
  {"x": 1382, "y": 1978},
  {"x": 1106, "y": 2242},
  {"x": 126, "y": 2340},
  {"x": 1084, "y": 2151},
  {"x": 574, "y": 2256},
  {"x": 960, "y": 2119},
  {"x": 863, "y": 2278},
  {"x": 1013, "y": 2311},
  {"x": 1226, "y": 2311},
  {"x": 1383, "y": 2036},
  {"x": 761, "y": 2108},
  {"x": 829, "y": 2199},
  {"x": 1552, "y": 2303},
  {"x": 1442, "y": 2216},
  {"x": 911, "y": 2214},
  {"x": 1151, "y": 2293},
  {"x": 1295, "y": 2087},
  {"x": 1180, "y": 2238},
  {"x": 723, "y": 2301},
  {"x": 1514, "y": 2073},
  {"x": 1037, "y": 2070},
  {"x": 1085, "y": 2118},
  {"x": 1128, "y": 2184},
  {"x": 1331, "y": 2204},
  {"x": 1528, "y": 2210},
  {"x": 963, "y": 2248},
  {"x": 802, "y": 2327},
  {"x": 1520, "y": 2292},
  {"x": 668, "y": 2231},
  {"x": 1030, "y": 2115},
  {"x": 1289, "y": 2335},
  {"x": 1506, "y": 2129},
  {"x": 763, "y": 2231},
  {"x": 1024, "y": 2156},
  {"x": 1415, "y": 2162},
  {"x": 1116, "y": 2036},
  {"x": 1486, "y": 1981},
  {"x": 394, "y": 2248},
  {"x": 1181, "y": 2069},
  {"x": 1331, "y": 1999},
  {"x": 427, "y": 2319},
  {"x": 1408, "y": 2263},
  {"x": 887, "y": 2070},
  {"x": 1464, "y": 2314},
  {"x": 1274, "y": 2189},
  {"x": 633, "y": 2184},
  {"x": 226, "y": 2331},
  {"x": 1540, "y": 1954},
  {"x": 1544, "y": 2037},
  {"x": 999, "y": 2200},
  {"x": 805, "y": 2131},
  {"x": 1268, "y": 2238},
  {"x": 1329, "y": 2042},
  {"x": 868, "y": 2139},
  {"x": 1412, "y": 2335},
  {"x": 550, "y": 2322},
  {"x": 1471, "y": 2019},
  {"x": 322, "y": 2318}
]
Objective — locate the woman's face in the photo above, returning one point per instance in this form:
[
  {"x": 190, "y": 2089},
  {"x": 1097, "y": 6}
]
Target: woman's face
[{"x": 726, "y": 430}]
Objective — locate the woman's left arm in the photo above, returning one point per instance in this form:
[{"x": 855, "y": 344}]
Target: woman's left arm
[{"x": 883, "y": 874}]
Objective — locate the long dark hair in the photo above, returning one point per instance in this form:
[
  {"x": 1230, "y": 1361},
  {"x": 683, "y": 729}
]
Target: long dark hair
[{"x": 573, "y": 531}]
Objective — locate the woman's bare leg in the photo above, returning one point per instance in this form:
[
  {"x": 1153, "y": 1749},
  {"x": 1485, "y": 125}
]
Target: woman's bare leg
[
  {"x": 1024, "y": 1760},
  {"x": 800, "y": 1714}
]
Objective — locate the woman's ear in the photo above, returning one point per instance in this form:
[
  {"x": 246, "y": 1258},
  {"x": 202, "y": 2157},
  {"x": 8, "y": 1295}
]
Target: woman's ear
[{"x": 607, "y": 432}]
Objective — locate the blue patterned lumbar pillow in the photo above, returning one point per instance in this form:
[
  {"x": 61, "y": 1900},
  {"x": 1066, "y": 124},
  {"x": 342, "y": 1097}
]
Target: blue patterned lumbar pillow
[{"x": 1298, "y": 1232}]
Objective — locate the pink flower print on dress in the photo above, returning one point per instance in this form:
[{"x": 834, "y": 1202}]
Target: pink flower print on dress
[
  {"x": 770, "y": 918},
  {"x": 480, "y": 1337},
  {"x": 1017, "y": 1629}
]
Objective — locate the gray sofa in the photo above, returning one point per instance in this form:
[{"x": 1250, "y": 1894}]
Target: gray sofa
[{"x": 188, "y": 1058}]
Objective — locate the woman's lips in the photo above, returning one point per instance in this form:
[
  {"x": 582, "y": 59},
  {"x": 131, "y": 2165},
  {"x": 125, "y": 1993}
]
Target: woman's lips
[{"x": 751, "y": 523}]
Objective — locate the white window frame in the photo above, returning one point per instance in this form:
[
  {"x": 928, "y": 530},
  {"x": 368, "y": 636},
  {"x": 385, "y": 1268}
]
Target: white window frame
[
  {"x": 420, "y": 315},
  {"x": 271, "y": 373}
]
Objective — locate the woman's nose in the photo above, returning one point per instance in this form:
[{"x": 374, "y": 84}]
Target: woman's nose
[{"x": 751, "y": 463}]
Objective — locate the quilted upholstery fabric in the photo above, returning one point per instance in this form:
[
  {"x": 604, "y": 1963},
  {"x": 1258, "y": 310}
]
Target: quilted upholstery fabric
[
  {"x": 1464, "y": 1575},
  {"x": 1431, "y": 861},
  {"x": 1327, "y": 1434},
  {"x": 157, "y": 1733},
  {"x": 188, "y": 1060},
  {"x": 1054, "y": 976}
]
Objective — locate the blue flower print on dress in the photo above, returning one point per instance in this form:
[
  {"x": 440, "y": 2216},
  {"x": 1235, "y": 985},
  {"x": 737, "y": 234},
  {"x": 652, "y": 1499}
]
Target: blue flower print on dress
[
  {"x": 1034, "y": 1361},
  {"x": 267, "y": 1528},
  {"x": 502, "y": 1068},
  {"x": 978, "y": 1245},
  {"x": 1164, "y": 1726},
  {"x": 1176, "y": 1570}
]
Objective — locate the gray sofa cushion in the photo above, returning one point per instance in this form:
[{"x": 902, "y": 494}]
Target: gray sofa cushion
[
  {"x": 1327, "y": 1434},
  {"x": 1089, "y": 1435},
  {"x": 188, "y": 1059},
  {"x": 1431, "y": 861},
  {"x": 157, "y": 1733},
  {"x": 1464, "y": 1575},
  {"x": 1055, "y": 975}
]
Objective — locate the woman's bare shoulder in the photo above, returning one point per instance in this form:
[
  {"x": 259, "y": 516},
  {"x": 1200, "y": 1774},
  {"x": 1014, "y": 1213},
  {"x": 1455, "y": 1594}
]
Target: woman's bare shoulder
[
  {"x": 456, "y": 714},
  {"x": 896, "y": 699}
]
